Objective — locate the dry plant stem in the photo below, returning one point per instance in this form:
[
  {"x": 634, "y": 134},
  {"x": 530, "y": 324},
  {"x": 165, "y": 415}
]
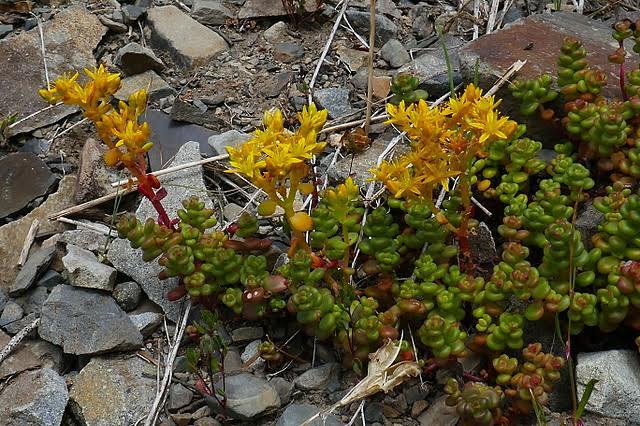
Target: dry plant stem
[
  {"x": 161, "y": 395},
  {"x": 476, "y": 14},
  {"x": 372, "y": 40},
  {"x": 40, "y": 111},
  {"x": 327, "y": 46},
  {"x": 42, "y": 49},
  {"x": 168, "y": 170},
  {"x": 89, "y": 226},
  {"x": 28, "y": 241},
  {"x": 15, "y": 340},
  {"x": 92, "y": 203},
  {"x": 492, "y": 15}
]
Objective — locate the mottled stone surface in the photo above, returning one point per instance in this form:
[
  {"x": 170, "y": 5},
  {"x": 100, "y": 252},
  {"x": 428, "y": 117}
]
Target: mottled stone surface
[
  {"x": 23, "y": 177},
  {"x": 85, "y": 322},
  {"x": 113, "y": 391},
  {"x": 34, "y": 398},
  {"x": 70, "y": 38},
  {"x": 187, "y": 41},
  {"x": 265, "y": 8},
  {"x": 12, "y": 235}
]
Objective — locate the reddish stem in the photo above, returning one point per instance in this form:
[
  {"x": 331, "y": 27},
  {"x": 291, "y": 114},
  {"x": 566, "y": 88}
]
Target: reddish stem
[
  {"x": 624, "y": 94},
  {"x": 152, "y": 196}
]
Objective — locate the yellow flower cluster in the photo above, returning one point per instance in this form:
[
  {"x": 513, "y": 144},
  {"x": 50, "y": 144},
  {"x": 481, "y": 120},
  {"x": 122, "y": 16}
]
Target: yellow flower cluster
[
  {"x": 276, "y": 159},
  {"x": 119, "y": 128},
  {"x": 444, "y": 140}
]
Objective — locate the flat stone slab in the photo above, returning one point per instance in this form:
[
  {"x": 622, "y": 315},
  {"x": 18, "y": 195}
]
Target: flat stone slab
[
  {"x": 34, "y": 398},
  {"x": 12, "y": 234},
  {"x": 617, "y": 393},
  {"x": 187, "y": 41},
  {"x": 266, "y": 8},
  {"x": 69, "y": 39},
  {"x": 23, "y": 177},
  {"x": 113, "y": 391},
  {"x": 537, "y": 39},
  {"x": 156, "y": 87},
  {"x": 84, "y": 322},
  {"x": 31, "y": 270}
]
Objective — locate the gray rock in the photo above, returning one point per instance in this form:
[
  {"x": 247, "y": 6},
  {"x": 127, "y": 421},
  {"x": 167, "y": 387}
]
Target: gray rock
[
  {"x": 439, "y": 414},
  {"x": 86, "y": 239},
  {"x": 374, "y": 412},
  {"x": 18, "y": 360},
  {"x": 588, "y": 220},
  {"x": 83, "y": 269},
  {"x": 127, "y": 295},
  {"x": 17, "y": 326},
  {"x": 47, "y": 354},
  {"x": 275, "y": 84},
  {"x": 277, "y": 33},
  {"x": 32, "y": 301},
  {"x": 50, "y": 279},
  {"x": 71, "y": 37},
  {"x": 34, "y": 398},
  {"x": 617, "y": 393},
  {"x": 431, "y": 70},
  {"x": 251, "y": 352},
  {"x": 5, "y": 29},
  {"x": 335, "y": 100},
  {"x": 135, "y": 59},
  {"x": 206, "y": 421},
  {"x": 131, "y": 13},
  {"x": 11, "y": 313},
  {"x": 385, "y": 28},
  {"x": 35, "y": 265},
  {"x": 318, "y": 378},
  {"x": 182, "y": 110},
  {"x": 84, "y": 322},
  {"x": 284, "y": 389},
  {"x": 265, "y": 8},
  {"x": 287, "y": 52},
  {"x": 296, "y": 414},
  {"x": 3, "y": 299},
  {"x": 244, "y": 334},
  {"x": 156, "y": 87},
  {"x": 231, "y": 138},
  {"x": 187, "y": 41},
  {"x": 146, "y": 322},
  {"x": 415, "y": 393},
  {"x": 232, "y": 361},
  {"x": 248, "y": 397},
  {"x": 129, "y": 261},
  {"x": 422, "y": 23},
  {"x": 113, "y": 391},
  {"x": 483, "y": 246},
  {"x": 394, "y": 53},
  {"x": 13, "y": 234},
  {"x": 94, "y": 177},
  {"x": 115, "y": 26},
  {"x": 23, "y": 178},
  {"x": 179, "y": 396},
  {"x": 210, "y": 12}
]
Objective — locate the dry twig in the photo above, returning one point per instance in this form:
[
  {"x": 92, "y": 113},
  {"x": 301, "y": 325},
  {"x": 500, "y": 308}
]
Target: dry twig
[
  {"x": 15, "y": 340},
  {"x": 28, "y": 241}
]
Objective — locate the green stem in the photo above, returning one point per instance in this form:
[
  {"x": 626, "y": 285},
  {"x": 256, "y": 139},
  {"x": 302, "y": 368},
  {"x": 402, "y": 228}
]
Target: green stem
[{"x": 452, "y": 88}]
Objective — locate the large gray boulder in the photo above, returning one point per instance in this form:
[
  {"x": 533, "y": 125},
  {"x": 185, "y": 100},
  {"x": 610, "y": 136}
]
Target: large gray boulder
[
  {"x": 34, "y": 398},
  {"x": 84, "y": 322},
  {"x": 617, "y": 393}
]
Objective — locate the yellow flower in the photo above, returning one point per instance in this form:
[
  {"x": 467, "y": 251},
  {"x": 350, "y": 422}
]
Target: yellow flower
[
  {"x": 491, "y": 126},
  {"x": 273, "y": 120},
  {"x": 311, "y": 119}
]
